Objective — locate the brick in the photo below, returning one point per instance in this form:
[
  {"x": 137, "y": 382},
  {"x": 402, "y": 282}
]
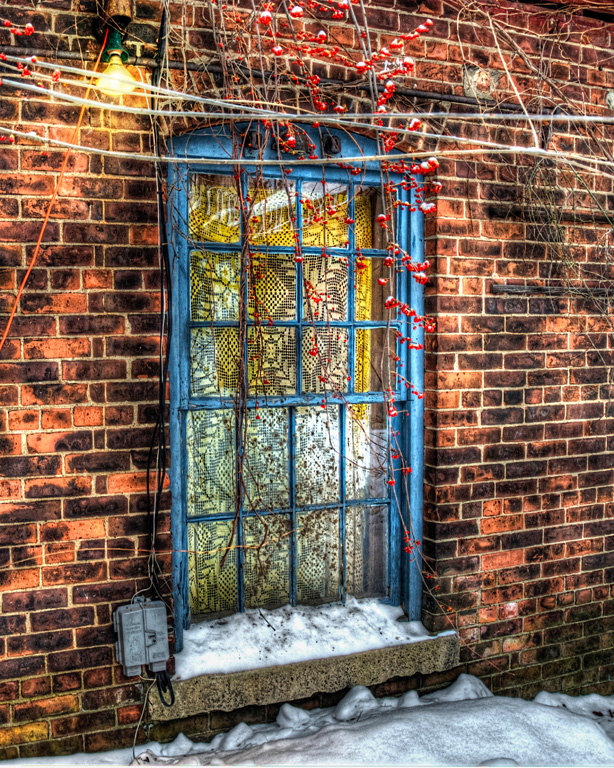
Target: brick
[
  {"x": 55, "y": 394},
  {"x": 57, "y": 348},
  {"x": 75, "y": 530},
  {"x": 94, "y": 370},
  {"x": 22, "y": 734},
  {"x": 23, "y": 466},
  {"x": 98, "y": 462},
  {"x": 96, "y": 506},
  {"x": 22, "y": 579},
  {"x": 53, "y": 442},
  {"x": 74, "y": 574},
  {"x": 88, "y": 416},
  {"x": 18, "y": 373},
  {"x": 25, "y": 666},
  {"x": 34, "y": 600},
  {"x": 54, "y": 303},
  {"x": 23, "y": 419},
  {"x": 35, "y": 686},
  {"x": 39, "y": 643},
  {"x": 101, "y": 720},
  {"x": 69, "y": 681},
  {"x": 79, "y": 486},
  {"x": 103, "y": 593},
  {"x": 502, "y": 559},
  {"x": 91, "y": 324},
  {"x": 44, "y": 708},
  {"x": 79, "y": 659}
]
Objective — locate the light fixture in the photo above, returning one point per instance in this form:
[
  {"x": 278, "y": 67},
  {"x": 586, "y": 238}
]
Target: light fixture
[{"x": 115, "y": 80}]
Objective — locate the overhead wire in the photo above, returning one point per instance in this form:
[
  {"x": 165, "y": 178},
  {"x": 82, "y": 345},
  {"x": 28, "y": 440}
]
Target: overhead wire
[{"x": 580, "y": 161}]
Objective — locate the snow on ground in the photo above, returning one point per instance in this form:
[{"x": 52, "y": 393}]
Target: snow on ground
[
  {"x": 462, "y": 725},
  {"x": 261, "y": 638}
]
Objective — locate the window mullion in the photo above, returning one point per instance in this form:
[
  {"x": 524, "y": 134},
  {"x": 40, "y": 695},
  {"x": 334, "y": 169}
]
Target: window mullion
[
  {"x": 293, "y": 515},
  {"x": 299, "y": 294},
  {"x": 342, "y": 490}
]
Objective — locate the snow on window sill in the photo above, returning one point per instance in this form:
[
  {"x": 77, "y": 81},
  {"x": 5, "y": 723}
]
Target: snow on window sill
[{"x": 264, "y": 657}]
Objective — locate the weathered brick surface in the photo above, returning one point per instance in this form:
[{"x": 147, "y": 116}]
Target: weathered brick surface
[{"x": 519, "y": 418}]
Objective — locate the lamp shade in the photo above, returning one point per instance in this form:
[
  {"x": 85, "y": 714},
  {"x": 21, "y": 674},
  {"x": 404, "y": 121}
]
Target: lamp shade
[{"x": 115, "y": 80}]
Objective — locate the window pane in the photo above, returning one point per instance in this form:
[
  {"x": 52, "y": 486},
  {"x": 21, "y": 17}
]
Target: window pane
[
  {"x": 266, "y": 464},
  {"x": 317, "y": 455},
  {"x": 318, "y": 556},
  {"x": 267, "y": 561},
  {"x": 325, "y": 359},
  {"x": 325, "y": 210},
  {"x": 210, "y": 437},
  {"x": 375, "y": 366},
  {"x": 370, "y": 296},
  {"x": 272, "y": 287},
  {"x": 214, "y": 358},
  {"x": 369, "y": 232},
  {"x": 325, "y": 288},
  {"x": 366, "y": 531},
  {"x": 272, "y": 360},
  {"x": 272, "y": 212},
  {"x": 214, "y": 209},
  {"x": 366, "y": 452},
  {"x": 214, "y": 285},
  {"x": 212, "y": 586}
]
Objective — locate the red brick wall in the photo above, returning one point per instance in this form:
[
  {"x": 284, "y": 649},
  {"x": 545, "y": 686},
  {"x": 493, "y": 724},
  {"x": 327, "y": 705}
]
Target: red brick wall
[
  {"x": 520, "y": 428},
  {"x": 519, "y": 424}
]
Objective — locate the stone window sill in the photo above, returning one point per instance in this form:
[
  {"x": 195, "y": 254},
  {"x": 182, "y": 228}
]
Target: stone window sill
[{"x": 289, "y": 682}]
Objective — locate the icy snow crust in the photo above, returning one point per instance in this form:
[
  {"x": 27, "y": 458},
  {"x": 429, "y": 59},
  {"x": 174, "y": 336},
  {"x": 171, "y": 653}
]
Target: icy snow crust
[
  {"x": 463, "y": 725},
  {"x": 261, "y": 638}
]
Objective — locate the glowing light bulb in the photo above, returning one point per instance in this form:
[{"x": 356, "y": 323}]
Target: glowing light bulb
[{"x": 116, "y": 80}]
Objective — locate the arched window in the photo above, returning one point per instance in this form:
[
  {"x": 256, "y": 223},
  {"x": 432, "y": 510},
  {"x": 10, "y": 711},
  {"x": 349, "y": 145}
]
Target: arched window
[{"x": 292, "y": 375}]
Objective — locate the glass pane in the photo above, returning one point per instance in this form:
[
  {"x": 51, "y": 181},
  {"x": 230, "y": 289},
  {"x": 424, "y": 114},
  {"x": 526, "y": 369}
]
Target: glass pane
[
  {"x": 367, "y": 452},
  {"x": 271, "y": 212},
  {"x": 370, "y": 295},
  {"x": 325, "y": 288},
  {"x": 366, "y": 536},
  {"x": 318, "y": 560},
  {"x": 266, "y": 464},
  {"x": 210, "y": 437},
  {"x": 375, "y": 366},
  {"x": 325, "y": 359},
  {"x": 214, "y": 285},
  {"x": 317, "y": 455},
  {"x": 272, "y": 360},
  {"x": 325, "y": 213},
  {"x": 212, "y": 585},
  {"x": 214, "y": 209},
  {"x": 272, "y": 287},
  {"x": 267, "y": 561},
  {"x": 214, "y": 359},
  {"x": 369, "y": 231}
]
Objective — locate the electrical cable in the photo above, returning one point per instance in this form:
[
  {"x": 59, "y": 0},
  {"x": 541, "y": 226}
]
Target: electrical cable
[
  {"x": 52, "y": 202},
  {"x": 250, "y": 113},
  {"x": 164, "y": 685},
  {"x": 158, "y": 440}
]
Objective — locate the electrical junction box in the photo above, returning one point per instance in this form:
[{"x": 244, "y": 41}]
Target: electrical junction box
[{"x": 142, "y": 636}]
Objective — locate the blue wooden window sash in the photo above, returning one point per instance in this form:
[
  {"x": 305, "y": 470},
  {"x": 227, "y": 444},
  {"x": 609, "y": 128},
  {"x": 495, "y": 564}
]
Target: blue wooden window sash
[{"x": 403, "y": 572}]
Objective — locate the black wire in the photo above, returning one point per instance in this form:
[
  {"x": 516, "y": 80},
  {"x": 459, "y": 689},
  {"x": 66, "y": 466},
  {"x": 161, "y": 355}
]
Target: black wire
[
  {"x": 164, "y": 684},
  {"x": 158, "y": 446}
]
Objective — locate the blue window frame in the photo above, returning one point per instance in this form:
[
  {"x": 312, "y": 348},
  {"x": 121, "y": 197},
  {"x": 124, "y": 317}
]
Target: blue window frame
[{"x": 230, "y": 481}]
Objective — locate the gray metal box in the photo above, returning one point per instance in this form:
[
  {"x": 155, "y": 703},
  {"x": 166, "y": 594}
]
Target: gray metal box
[{"x": 142, "y": 636}]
